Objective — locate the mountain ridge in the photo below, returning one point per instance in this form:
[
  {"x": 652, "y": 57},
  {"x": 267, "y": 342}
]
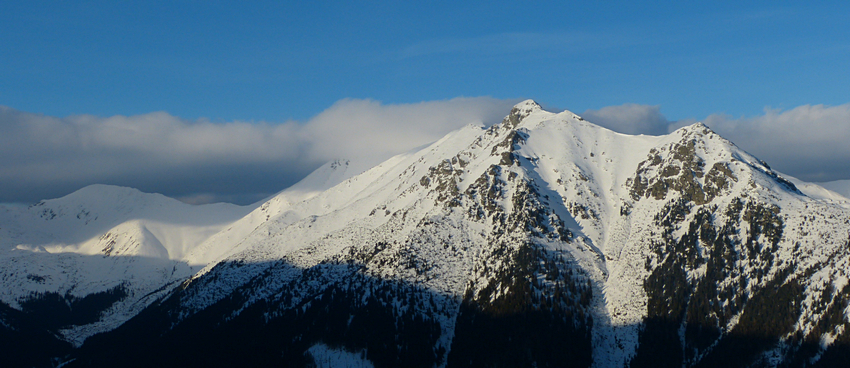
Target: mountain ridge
[{"x": 632, "y": 250}]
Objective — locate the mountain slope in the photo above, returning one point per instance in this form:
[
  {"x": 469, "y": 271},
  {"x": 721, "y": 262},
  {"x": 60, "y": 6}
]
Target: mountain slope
[
  {"x": 541, "y": 241},
  {"x": 101, "y": 239},
  {"x": 841, "y": 187},
  {"x": 108, "y": 240}
]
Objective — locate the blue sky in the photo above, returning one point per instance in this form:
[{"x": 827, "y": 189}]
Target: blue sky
[{"x": 280, "y": 62}]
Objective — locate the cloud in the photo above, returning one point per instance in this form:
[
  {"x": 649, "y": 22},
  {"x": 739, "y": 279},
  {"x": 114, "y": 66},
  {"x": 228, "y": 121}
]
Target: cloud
[
  {"x": 809, "y": 142},
  {"x": 630, "y": 119},
  {"x": 43, "y": 156},
  {"x": 368, "y": 129},
  {"x": 201, "y": 161}
]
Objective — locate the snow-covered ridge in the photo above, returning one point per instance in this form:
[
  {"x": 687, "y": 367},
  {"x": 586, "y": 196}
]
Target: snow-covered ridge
[
  {"x": 103, "y": 237},
  {"x": 77, "y": 222},
  {"x": 842, "y": 187},
  {"x": 591, "y": 170},
  {"x": 593, "y": 227}
]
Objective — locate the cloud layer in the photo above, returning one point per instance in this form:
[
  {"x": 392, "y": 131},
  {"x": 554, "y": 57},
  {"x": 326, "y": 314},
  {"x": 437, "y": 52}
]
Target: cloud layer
[
  {"x": 44, "y": 157},
  {"x": 810, "y": 142},
  {"x": 202, "y": 161},
  {"x": 630, "y": 119}
]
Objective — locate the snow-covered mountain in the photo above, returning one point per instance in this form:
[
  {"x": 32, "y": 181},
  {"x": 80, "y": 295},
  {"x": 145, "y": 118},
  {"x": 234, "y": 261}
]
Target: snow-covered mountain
[
  {"x": 544, "y": 240},
  {"x": 841, "y": 187}
]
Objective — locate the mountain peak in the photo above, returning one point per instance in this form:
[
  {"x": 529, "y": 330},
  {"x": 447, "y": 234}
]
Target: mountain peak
[
  {"x": 698, "y": 127},
  {"x": 103, "y": 194},
  {"x": 528, "y": 105},
  {"x": 521, "y": 111}
]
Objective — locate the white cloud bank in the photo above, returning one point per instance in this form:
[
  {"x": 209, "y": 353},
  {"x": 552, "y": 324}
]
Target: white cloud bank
[
  {"x": 810, "y": 142},
  {"x": 43, "y": 156}
]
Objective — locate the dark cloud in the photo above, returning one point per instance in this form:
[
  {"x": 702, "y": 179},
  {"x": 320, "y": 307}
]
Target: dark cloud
[
  {"x": 630, "y": 119},
  {"x": 201, "y": 161}
]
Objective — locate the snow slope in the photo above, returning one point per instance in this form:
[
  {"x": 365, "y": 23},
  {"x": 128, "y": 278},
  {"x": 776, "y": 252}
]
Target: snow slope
[
  {"x": 605, "y": 188},
  {"x": 841, "y": 187},
  {"x": 608, "y": 189},
  {"x": 618, "y": 246},
  {"x": 104, "y": 237}
]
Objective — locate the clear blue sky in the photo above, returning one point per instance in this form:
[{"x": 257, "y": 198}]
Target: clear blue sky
[{"x": 282, "y": 60}]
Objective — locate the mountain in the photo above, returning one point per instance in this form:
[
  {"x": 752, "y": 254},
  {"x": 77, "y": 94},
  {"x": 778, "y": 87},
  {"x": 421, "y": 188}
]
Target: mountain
[
  {"x": 108, "y": 239},
  {"x": 544, "y": 240},
  {"x": 842, "y": 187}
]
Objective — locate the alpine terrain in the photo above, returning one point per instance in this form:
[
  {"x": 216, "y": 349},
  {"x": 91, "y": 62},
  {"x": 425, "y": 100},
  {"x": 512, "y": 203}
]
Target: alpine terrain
[{"x": 542, "y": 241}]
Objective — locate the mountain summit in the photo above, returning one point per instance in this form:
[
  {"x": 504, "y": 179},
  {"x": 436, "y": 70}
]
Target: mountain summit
[{"x": 544, "y": 240}]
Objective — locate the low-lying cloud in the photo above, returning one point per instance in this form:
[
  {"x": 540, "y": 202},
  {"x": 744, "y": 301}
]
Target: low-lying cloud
[
  {"x": 201, "y": 161},
  {"x": 810, "y": 142},
  {"x": 630, "y": 119}
]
